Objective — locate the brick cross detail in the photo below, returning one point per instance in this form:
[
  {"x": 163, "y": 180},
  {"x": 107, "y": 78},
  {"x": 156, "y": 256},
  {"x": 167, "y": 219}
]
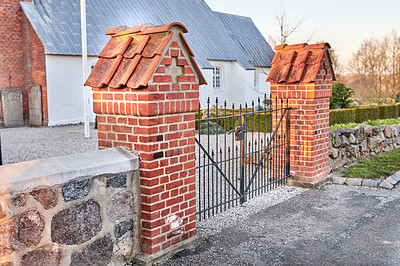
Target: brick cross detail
[{"x": 174, "y": 70}]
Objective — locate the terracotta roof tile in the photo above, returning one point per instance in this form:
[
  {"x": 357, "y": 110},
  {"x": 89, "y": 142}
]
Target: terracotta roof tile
[
  {"x": 298, "y": 63},
  {"x": 124, "y": 71},
  {"x": 136, "y": 47},
  {"x": 143, "y": 72},
  {"x": 162, "y": 28},
  {"x": 115, "y": 46},
  {"x": 131, "y": 56},
  {"x": 155, "y": 47},
  {"x": 121, "y": 30}
]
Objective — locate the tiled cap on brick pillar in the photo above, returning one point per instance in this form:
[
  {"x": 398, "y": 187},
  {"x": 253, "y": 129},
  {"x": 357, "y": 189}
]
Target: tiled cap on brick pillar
[
  {"x": 303, "y": 75},
  {"x": 145, "y": 93}
]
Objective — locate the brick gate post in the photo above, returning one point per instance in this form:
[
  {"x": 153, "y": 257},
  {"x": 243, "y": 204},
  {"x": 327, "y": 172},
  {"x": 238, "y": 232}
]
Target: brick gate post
[
  {"x": 303, "y": 75},
  {"x": 146, "y": 93}
]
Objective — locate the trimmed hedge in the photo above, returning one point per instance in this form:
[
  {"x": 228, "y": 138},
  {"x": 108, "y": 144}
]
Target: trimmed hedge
[
  {"x": 363, "y": 114},
  {"x": 359, "y": 114},
  {"x": 388, "y": 111},
  {"x": 366, "y": 113},
  {"x": 259, "y": 122},
  {"x": 342, "y": 116}
]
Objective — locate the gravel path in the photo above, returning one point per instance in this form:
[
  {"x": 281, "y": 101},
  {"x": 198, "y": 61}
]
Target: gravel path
[{"x": 30, "y": 143}]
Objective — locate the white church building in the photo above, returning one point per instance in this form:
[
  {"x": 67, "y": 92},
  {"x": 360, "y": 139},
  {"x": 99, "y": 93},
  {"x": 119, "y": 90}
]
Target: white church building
[{"x": 231, "y": 52}]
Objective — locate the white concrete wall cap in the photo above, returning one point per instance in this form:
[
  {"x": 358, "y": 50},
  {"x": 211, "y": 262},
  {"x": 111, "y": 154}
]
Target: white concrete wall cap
[{"x": 22, "y": 177}]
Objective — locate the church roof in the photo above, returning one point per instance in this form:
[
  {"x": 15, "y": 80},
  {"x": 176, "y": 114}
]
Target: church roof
[{"x": 212, "y": 35}]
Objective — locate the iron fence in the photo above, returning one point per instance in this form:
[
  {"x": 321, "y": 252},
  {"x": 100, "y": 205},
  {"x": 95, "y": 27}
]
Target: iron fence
[{"x": 241, "y": 153}]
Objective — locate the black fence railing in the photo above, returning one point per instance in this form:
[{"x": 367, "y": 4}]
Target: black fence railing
[{"x": 241, "y": 153}]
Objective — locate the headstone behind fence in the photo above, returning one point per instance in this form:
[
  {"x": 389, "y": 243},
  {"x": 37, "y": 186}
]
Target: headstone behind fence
[
  {"x": 11, "y": 99},
  {"x": 35, "y": 105}
]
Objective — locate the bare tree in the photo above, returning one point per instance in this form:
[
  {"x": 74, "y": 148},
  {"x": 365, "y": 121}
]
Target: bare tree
[
  {"x": 286, "y": 28},
  {"x": 338, "y": 68},
  {"x": 375, "y": 69}
]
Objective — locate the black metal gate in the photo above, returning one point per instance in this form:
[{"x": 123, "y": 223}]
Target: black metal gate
[{"x": 239, "y": 153}]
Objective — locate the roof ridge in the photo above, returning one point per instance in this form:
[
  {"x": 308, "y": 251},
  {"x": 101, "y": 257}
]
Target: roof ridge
[
  {"x": 143, "y": 29},
  {"x": 224, "y": 13}
]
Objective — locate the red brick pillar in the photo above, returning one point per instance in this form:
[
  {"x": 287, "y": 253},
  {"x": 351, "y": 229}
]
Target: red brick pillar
[
  {"x": 152, "y": 112},
  {"x": 303, "y": 75}
]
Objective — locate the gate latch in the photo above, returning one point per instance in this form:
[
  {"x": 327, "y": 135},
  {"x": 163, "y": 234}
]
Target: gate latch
[{"x": 239, "y": 133}]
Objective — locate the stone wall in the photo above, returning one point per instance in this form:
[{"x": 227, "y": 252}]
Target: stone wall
[
  {"x": 346, "y": 145},
  {"x": 81, "y": 209}
]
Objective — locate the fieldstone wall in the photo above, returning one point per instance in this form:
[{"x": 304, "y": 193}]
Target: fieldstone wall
[
  {"x": 348, "y": 144},
  {"x": 72, "y": 216}
]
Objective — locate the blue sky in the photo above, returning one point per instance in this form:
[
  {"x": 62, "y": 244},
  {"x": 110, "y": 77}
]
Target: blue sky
[{"x": 342, "y": 23}]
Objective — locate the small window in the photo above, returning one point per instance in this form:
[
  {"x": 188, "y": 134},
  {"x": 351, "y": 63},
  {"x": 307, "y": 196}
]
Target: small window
[
  {"x": 255, "y": 78},
  {"x": 217, "y": 78}
]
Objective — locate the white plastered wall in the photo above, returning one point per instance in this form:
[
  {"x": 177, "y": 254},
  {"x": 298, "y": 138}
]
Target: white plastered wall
[
  {"x": 65, "y": 89},
  {"x": 65, "y": 95},
  {"x": 238, "y": 85}
]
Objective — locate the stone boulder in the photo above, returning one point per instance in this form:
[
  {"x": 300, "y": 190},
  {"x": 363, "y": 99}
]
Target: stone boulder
[
  {"x": 346, "y": 131},
  {"x": 395, "y": 130},
  {"x": 387, "y": 132},
  {"x": 76, "y": 225},
  {"x": 367, "y": 129}
]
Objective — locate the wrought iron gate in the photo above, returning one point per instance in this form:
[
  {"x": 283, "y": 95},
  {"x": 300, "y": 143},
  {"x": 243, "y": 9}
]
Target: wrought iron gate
[{"x": 241, "y": 153}]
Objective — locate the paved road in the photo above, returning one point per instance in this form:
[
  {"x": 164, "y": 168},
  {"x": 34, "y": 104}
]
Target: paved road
[{"x": 338, "y": 225}]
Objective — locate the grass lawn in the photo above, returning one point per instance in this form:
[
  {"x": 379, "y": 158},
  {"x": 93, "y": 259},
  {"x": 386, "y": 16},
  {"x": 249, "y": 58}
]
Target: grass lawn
[
  {"x": 387, "y": 122},
  {"x": 382, "y": 165}
]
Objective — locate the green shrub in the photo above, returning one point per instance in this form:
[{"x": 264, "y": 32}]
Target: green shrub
[
  {"x": 387, "y": 122},
  {"x": 262, "y": 121},
  {"x": 366, "y": 113},
  {"x": 340, "y": 96},
  {"x": 363, "y": 113},
  {"x": 255, "y": 122},
  {"x": 342, "y": 116},
  {"x": 229, "y": 122},
  {"x": 388, "y": 111},
  {"x": 399, "y": 110},
  {"x": 259, "y": 122},
  {"x": 210, "y": 128},
  {"x": 392, "y": 111},
  {"x": 382, "y": 113}
]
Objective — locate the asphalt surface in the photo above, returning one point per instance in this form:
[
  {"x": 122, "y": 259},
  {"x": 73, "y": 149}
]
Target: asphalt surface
[{"x": 337, "y": 225}]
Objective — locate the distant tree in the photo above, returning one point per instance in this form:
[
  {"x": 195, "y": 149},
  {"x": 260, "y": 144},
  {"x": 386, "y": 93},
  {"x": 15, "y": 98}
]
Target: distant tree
[
  {"x": 341, "y": 96},
  {"x": 375, "y": 69},
  {"x": 338, "y": 68}
]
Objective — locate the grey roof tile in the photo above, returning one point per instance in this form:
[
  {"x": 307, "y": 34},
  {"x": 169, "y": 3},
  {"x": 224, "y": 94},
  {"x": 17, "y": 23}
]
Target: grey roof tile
[{"x": 212, "y": 35}]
